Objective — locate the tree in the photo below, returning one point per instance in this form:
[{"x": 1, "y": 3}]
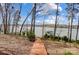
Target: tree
[
  {"x": 33, "y": 18},
  {"x": 56, "y": 21},
  {"x": 77, "y": 29},
  {"x": 18, "y": 17},
  {"x": 10, "y": 12},
  {"x": 4, "y": 14},
  {"x": 1, "y": 11},
  {"x": 44, "y": 11},
  {"x": 71, "y": 21},
  {"x": 25, "y": 20},
  {"x": 70, "y": 9},
  {"x": 76, "y": 8},
  {"x": 68, "y": 25},
  {"x": 43, "y": 27},
  {"x": 15, "y": 20},
  {"x": 33, "y": 11}
]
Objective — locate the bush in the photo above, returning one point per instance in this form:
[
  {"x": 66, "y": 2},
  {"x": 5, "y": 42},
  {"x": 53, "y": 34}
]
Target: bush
[
  {"x": 23, "y": 33},
  {"x": 64, "y": 38},
  {"x": 31, "y": 36},
  {"x": 72, "y": 41},
  {"x": 68, "y": 53},
  {"x": 46, "y": 36},
  {"x": 57, "y": 38},
  {"x": 77, "y": 41}
]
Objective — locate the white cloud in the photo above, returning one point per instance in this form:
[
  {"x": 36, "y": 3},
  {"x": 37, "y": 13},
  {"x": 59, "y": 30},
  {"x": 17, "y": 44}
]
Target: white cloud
[
  {"x": 50, "y": 20},
  {"x": 60, "y": 8},
  {"x": 54, "y": 6},
  {"x": 47, "y": 8},
  {"x": 37, "y": 21}
]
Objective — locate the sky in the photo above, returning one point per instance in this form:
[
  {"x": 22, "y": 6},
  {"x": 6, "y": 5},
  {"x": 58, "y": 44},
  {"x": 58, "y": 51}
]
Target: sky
[{"x": 49, "y": 19}]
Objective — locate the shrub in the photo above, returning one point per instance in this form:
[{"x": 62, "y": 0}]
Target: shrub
[
  {"x": 72, "y": 41},
  {"x": 23, "y": 33},
  {"x": 46, "y": 36},
  {"x": 17, "y": 33},
  {"x": 68, "y": 53},
  {"x": 64, "y": 38},
  {"x": 50, "y": 35},
  {"x": 77, "y": 41},
  {"x": 31, "y": 36},
  {"x": 59, "y": 38},
  {"x": 56, "y": 37}
]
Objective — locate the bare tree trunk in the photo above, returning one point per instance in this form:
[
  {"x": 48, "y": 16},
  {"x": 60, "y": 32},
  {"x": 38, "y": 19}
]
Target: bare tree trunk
[
  {"x": 13, "y": 25},
  {"x": 77, "y": 30},
  {"x": 3, "y": 20},
  {"x": 33, "y": 19},
  {"x": 43, "y": 29},
  {"x": 16, "y": 28},
  {"x": 9, "y": 21},
  {"x": 71, "y": 30},
  {"x": 5, "y": 29},
  {"x": 71, "y": 24},
  {"x": 3, "y": 23},
  {"x": 56, "y": 22},
  {"x": 25, "y": 21},
  {"x": 68, "y": 28},
  {"x": 18, "y": 18}
]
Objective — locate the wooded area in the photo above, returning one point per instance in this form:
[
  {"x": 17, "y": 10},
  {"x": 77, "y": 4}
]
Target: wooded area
[{"x": 11, "y": 16}]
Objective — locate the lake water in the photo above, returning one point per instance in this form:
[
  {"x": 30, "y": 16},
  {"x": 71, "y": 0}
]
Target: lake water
[{"x": 62, "y": 31}]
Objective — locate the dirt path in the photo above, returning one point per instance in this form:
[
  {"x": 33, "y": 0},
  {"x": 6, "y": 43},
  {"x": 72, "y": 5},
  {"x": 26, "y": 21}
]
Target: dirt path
[
  {"x": 38, "y": 48},
  {"x": 17, "y": 45}
]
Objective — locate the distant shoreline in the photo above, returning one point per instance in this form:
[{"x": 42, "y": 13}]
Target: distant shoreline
[{"x": 50, "y": 25}]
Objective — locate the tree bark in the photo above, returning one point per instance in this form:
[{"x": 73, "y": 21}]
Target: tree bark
[
  {"x": 55, "y": 22},
  {"x": 71, "y": 23},
  {"x": 18, "y": 18},
  {"x": 25, "y": 21},
  {"x": 5, "y": 29},
  {"x": 33, "y": 19},
  {"x": 77, "y": 30}
]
